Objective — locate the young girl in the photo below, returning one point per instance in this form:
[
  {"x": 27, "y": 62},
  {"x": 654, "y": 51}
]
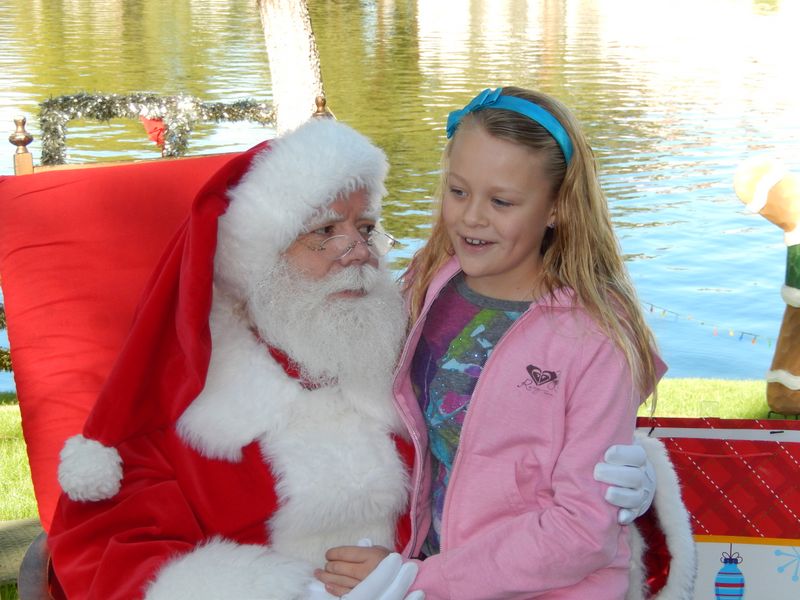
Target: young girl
[{"x": 527, "y": 358}]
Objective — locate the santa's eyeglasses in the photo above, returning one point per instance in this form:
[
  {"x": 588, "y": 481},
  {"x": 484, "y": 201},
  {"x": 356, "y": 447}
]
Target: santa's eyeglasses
[{"x": 338, "y": 246}]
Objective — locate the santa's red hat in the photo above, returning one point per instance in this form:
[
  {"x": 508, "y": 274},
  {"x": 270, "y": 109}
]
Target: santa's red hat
[{"x": 245, "y": 216}]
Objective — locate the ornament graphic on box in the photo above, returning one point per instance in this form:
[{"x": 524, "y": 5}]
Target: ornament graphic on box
[{"x": 729, "y": 583}]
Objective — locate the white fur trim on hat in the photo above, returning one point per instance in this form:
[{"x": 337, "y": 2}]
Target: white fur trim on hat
[
  {"x": 300, "y": 173},
  {"x": 89, "y": 471},
  {"x": 225, "y": 569},
  {"x": 674, "y": 521}
]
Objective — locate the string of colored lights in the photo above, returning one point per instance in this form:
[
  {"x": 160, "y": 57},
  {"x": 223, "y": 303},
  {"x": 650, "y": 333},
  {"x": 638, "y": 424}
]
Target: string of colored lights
[{"x": 716, "y": 330}]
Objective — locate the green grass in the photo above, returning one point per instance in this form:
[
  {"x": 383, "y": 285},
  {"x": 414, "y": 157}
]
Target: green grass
[
  {"x": 8, "y": 592},
  {"x": 728, "y": 399},
  {"x": 724, "y": 398},
  {"x": 16, "y": 489}
]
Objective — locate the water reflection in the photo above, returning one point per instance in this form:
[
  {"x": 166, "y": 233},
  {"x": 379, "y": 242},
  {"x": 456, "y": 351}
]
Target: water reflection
[
  {"x": 673, "y": 95},
  {"x": 212, "y": 49}
]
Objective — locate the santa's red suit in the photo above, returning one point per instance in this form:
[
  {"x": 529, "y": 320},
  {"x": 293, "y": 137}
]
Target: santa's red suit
[{"x": 208, "y": 468}]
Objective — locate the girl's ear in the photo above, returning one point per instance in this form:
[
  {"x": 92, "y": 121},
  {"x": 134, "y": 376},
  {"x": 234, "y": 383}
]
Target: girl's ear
[{"x": 551, "y": 218}]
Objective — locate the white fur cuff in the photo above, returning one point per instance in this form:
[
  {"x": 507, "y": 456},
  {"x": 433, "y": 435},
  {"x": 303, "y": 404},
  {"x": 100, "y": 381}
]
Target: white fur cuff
[
  {"x": 89, "y": 471},
  {"x": 674, "y": 521},
  {"x": 225, "y": 569}
]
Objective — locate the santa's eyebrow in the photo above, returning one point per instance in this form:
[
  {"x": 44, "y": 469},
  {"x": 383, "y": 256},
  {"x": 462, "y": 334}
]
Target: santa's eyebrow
[
  {"x": 371, "y": 214},
  {"x": 327, "y": 215}
]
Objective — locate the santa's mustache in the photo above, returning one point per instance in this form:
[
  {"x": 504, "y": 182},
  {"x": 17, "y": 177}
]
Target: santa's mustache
[{"x": 361, "y": 279}]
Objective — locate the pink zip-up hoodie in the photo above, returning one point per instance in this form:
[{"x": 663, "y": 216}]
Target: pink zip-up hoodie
[{"x": 523, "y": 515}]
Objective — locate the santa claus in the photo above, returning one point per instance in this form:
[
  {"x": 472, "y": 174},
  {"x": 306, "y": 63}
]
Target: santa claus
[{"x": 248, "y": 426}]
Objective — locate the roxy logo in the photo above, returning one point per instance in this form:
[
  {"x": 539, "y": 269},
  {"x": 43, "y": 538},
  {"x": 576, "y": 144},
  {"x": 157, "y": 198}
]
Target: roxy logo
[{"x": 539, "y": 380}]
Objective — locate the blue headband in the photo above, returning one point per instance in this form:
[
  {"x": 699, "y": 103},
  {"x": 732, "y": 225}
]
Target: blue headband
[{"x": 494, "y": 99}]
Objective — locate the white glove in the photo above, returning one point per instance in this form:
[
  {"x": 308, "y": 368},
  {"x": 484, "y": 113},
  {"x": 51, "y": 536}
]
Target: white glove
[
  {"x": 632, "y": 479},
  {"x": 316, "y": 591}
]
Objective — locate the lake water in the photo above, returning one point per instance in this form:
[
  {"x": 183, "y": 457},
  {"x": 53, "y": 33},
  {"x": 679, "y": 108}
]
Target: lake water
[{"x": 673, "y": 94}]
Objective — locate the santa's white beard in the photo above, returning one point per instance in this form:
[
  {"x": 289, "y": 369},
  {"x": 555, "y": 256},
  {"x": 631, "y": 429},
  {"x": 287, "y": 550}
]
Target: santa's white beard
[{"x": 354, "y": 340}]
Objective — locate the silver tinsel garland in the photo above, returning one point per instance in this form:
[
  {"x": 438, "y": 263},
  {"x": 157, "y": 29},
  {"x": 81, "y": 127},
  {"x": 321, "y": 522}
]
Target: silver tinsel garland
[{"x": 179, "y": 114}]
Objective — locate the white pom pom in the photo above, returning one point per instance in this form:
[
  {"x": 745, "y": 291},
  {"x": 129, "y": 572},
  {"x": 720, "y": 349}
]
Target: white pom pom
[{"x": 89, "y": 471}]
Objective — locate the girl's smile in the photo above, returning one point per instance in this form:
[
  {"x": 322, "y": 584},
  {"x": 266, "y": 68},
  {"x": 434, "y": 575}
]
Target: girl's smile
[{"x": 496, "y": 208}]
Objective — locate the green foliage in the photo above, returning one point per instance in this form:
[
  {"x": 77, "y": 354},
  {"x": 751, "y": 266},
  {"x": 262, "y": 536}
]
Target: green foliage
[{"x": 5, "y": 357}]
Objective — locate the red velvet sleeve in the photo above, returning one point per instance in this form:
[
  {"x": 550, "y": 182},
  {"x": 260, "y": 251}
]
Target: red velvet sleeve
[
  {"x": 171, "y": 500},
  {"x": 113, "y": 548}
]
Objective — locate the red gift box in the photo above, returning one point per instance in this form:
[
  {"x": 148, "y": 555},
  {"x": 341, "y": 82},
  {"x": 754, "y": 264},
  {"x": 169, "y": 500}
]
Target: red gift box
[{"x": 740, "y": 481}]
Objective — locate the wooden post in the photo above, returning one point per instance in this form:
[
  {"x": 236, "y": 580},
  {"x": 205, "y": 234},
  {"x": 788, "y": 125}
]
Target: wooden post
[
  {"x": 322, "y": 108},
  {"x": 23, "y": 160}
]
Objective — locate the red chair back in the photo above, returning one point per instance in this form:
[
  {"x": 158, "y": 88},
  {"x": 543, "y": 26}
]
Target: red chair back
[{"x": 77, "y": 247}]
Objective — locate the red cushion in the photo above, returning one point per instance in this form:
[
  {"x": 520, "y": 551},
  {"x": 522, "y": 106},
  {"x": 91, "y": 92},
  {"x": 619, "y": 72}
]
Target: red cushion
[{"x": 76, "y": 249}]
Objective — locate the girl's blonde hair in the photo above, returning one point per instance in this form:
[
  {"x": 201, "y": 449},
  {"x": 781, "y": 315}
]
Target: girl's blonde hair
[{"x": 581, "y": 252}]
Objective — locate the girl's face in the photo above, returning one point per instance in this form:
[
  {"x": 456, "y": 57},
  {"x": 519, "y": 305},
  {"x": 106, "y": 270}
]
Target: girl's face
[{"x": 496, "y": 208}]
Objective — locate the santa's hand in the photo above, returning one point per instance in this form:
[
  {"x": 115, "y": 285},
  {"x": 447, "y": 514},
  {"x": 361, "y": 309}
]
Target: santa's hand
[
  {"x": 632, "y": 479},
  {"x": 389, "y": 581}
]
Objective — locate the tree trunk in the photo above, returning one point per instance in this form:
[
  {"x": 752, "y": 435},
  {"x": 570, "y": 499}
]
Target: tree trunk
[{"x": 293, "y": 60}]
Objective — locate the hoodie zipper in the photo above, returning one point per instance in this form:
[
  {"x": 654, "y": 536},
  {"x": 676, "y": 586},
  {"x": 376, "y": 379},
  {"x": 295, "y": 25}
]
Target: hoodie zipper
[{"x": 409, "y": 421}]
